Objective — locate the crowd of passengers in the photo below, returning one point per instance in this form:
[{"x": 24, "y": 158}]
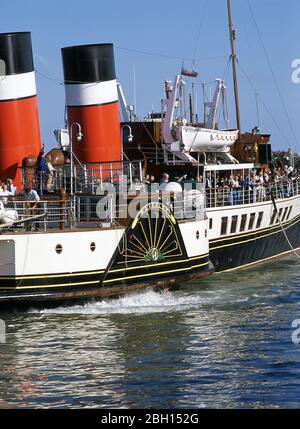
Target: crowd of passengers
[
  {"x": 255, "y": 187},
  {"x": 8, "y": 190},
  {"x": 223, "y": 189}
]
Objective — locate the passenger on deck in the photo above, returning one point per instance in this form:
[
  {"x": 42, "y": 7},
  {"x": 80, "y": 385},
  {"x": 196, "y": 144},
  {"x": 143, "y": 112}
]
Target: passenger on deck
[
  {"x": 208, "y": 191},
  {"x": 152, "y": 186},
  {"x": 147, "y": 180},
  {"x": 231, "y": 183},
  {"x": 50, "y": 176},
  {"x": 164, "y": 179},
  {"x": 236, "y": 190},
  {"x": 137, "y": 185},
  {"x": 41, "y": 169},
  {"x": 4, "y": 193},
  {"x": 11, "y": 187},
  {"x": 32, "y": 198},
  {"x": 260, "y": 189},
  {"x": 246, "y": 185},
  {"x": 207, "y": 182}
]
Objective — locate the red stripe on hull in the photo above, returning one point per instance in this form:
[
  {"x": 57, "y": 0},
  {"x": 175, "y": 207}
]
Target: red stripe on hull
[
  {"x": 19, "y": 136},
  {"x": 101, "y": 140}
]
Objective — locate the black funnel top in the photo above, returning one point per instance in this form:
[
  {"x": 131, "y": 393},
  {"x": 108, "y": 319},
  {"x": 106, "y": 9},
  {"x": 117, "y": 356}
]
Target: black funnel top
[
  {"x": 88, "y": 63},
  {"x": 16, "y": 52}
]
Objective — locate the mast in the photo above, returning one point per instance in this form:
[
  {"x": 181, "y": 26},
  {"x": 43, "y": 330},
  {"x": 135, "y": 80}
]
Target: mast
[{"x": 233, "y": 59}]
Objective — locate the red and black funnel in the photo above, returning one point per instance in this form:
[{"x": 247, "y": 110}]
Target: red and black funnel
[
  {"x": 19, "y": 123},
  {"x": 92, "y": 101}
]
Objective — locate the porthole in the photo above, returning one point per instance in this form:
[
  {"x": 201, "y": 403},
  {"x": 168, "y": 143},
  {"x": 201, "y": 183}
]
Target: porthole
[
  {"x": 58, "y": 248},
  {"x": 93, "y": 246},
  {"x": 197, "y": 235}
]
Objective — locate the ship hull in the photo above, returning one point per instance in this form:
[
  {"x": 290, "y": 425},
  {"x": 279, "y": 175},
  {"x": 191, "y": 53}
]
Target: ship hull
[
  {"x": 153, "y": 250},
  {"x": 271, "y": 240},
  {"x": 43, "y": 296},
  {"x": 256, "y": 249}
]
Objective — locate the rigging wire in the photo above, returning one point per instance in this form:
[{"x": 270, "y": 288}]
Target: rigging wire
[
  {"x": 156, "y": 54},
  {"x": 273, "y": 74},
  {"x": 226, "y": 71},
  {"x": 282, "y": 227},
  {"x": 264, "y": 104},
  {"x": 257, "y": 110},
  {"x": 49, "y": 78},
  {"x": 200, "y": 30}
]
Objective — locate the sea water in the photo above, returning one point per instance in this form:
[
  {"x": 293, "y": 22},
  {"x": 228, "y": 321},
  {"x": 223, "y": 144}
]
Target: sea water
[{"x": 228, "y": 341}]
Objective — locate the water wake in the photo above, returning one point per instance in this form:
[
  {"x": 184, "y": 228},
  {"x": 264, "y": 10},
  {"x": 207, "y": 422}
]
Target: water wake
[{"x": 147, "y": 301}]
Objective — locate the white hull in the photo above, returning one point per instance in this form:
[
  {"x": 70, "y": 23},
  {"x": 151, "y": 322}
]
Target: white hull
[{"x": 30, "y": 262}]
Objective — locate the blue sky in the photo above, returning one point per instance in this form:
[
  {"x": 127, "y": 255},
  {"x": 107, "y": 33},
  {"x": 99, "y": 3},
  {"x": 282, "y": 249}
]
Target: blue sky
[{"x": 171, "y": 29}]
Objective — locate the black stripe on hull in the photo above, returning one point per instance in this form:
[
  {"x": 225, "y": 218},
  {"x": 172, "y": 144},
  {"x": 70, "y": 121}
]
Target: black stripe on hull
[
  {"x": 252, "y": 248},
  {"x": 91, "y": 279},
  {"x": 44, "y": 293},
  {"x": 42, "y": 297},
  {"x": 150, "y": 274},
  {"x": 48, "y": 281}
]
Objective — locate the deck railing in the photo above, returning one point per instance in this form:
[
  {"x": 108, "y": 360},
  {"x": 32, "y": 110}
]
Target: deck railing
[
  {"x": 92, "y": 210},
  {"x": 86, "y": 177},
  {"x": 29, "y": 215},
  {"x": 227, "y": 196},
  {"x": 83, "y": 209}
]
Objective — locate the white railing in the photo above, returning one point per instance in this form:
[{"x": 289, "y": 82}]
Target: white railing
[
  {"x": 90, "y": 210},
  {"x": 86, "y": 177},
  {"x": 22, "y": 214},
  {"x": 226, "y": 196}
]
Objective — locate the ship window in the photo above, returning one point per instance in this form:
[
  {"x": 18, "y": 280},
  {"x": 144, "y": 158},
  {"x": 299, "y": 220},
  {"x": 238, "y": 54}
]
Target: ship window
[
  {"x": 273, "y": 217},
  {"x": 284, "y": 214},
  {"x": 224, "y": 223},
  {"x": 289, "y": 213},
  {"x": 210, "y": 223},
  {"x": 251, "y": 221},
  {"x": 279, "y": 214},
  {"x": 58, "y": 248},
  {"x": 260, "y": 216},
  {"x": 234, "y": 220},
  {"x": 93, "y": 246},
  {"x": 243, "y": 222}
]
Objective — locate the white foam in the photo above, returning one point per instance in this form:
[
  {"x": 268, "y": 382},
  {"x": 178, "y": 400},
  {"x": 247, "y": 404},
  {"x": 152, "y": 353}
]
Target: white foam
[{"x": 147, "y": 301}]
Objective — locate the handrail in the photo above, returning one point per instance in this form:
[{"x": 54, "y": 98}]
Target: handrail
[
  {"x": 85, "y": 179},
  {"x": 252, "y": 193}
]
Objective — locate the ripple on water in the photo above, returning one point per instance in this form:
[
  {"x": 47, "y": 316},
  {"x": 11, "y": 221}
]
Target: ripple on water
[{"x": 224, "y": 341}]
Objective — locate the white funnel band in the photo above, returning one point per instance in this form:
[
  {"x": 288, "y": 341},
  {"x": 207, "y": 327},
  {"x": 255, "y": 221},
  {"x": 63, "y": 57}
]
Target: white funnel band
[
  {"x": 91, "y": 94},
  {"x": 13, "y": 87}
]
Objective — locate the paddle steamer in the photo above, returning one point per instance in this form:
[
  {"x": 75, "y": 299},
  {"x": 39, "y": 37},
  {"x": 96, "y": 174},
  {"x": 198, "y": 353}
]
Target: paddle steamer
[
  {"x": 95, "y": 231},
  {"x": 102, "y": 227}
]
